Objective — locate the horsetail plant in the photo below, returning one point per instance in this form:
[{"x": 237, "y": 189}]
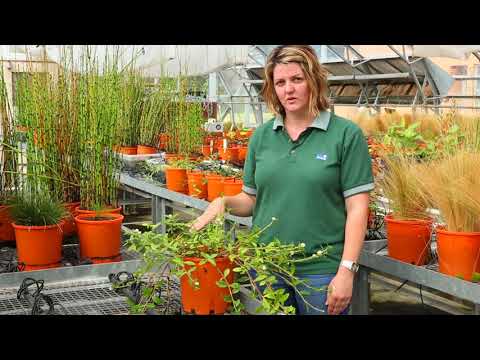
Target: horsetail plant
[
  {"x": 99, "y": 96},
  {"x": 9, "y": 179},
  {"x": 132, "y": 102}
]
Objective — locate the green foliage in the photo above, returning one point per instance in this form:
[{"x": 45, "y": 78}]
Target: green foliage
[
  {"x": 157, "y": 112},
  {"x": 133, "y": 89},
  {"x": 9, "y": 178},
  {"x": 476, "y": 277},
  {"x": 182, "y": 164},
  {"x": 36, "y": 210},
  {"x": 185, "y": 125},
  {"x": 408, "y": 141},
  {"x": 245, "y": 252}
]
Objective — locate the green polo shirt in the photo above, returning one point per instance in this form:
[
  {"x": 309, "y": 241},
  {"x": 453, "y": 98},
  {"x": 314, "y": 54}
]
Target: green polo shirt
[{"x": 304, "y": 184}]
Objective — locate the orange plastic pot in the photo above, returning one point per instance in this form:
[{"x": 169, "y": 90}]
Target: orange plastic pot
[
  {"x": 176, "y": 180},
  {"x": 7, "y": 233},
  {"x": 142, "y": 149},
  {"x": 99, "y": 239},
  {"x": 242, "y": 153},
  {"x": 110, "y": 210},
  {"x": 128, "y": 150},
  {"x": 207, "y": 298},
  {"x": 232, "y": 187},
  {"x": 69, "y": 227},
  {"x": 172, "y": 157},
  {"x": 206, "y": 150},
  {"x": 39, "y": 247},
  {"x": 458, "y": 253},
  {"x": 197, "y": 186},
  {"x": 162, "y": 141},
  {"x": 215, "y": 186},
  {"x": 218, "y": 143},
  {"x": 230, "y": 154},
  {"x": 408, "y": 240}
]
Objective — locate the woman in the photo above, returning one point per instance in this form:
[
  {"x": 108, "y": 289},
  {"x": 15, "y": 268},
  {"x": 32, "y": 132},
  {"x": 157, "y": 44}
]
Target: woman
[{"x": 311, "y": 170}]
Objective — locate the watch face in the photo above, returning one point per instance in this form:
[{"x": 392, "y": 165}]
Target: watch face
[{"x": 355, "y": 267}]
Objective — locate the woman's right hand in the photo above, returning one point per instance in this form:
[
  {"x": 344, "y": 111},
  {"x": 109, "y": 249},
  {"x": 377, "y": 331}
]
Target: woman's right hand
[{"x": 216, "y": 208}]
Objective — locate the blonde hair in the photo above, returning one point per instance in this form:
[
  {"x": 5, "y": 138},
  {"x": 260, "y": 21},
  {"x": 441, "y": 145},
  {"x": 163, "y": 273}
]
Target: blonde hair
[{"x": 315, "y": 75}]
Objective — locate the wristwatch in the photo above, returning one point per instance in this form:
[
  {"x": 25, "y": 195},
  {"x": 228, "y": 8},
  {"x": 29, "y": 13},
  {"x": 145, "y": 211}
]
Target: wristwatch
[{"x": 350, "y": 265}]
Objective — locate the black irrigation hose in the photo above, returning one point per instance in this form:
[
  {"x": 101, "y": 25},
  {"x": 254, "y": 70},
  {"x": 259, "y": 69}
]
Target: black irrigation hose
[
  {"x": 23, "y": 292},
  {"x": 37, "y": 305},
  {"x": 125, "y": 284},
  {"x": 10, "y": 265},
  {"x": 36, "y": 299}
]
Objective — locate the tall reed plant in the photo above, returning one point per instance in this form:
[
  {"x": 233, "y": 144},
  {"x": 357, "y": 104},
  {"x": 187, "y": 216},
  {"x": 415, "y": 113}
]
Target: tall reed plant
[
  {"x": 133, "y": 88},
  {"x": 9, "y": 179},
  {"x": 157, "y": 112},
  {"x": 100, "y": 106}
]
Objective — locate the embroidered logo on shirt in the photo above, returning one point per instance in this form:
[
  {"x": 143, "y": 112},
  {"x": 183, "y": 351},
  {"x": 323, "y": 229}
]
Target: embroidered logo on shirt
[{"x": 320, "y": 156}]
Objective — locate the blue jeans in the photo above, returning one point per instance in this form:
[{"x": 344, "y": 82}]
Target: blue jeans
[{"x": 315, "y": 298}]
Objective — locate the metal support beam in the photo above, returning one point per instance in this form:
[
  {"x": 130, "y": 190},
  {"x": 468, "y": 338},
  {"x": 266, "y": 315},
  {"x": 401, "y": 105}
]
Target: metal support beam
[
  {"x": 229, "y": 91},
  {"x": 257, "y": 109},
  {"x": 344, "y": 59},
  {"x": 366, "y": 77},
  {"x": 360, "y": 304},
  {"x": 412, "y": 71},
  {"x": 227, "y": 110}
]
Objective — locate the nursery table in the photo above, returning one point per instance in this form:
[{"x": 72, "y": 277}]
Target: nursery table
[
  {"x": 161, "y": 198},
  {"x": 372, "y": 258}
]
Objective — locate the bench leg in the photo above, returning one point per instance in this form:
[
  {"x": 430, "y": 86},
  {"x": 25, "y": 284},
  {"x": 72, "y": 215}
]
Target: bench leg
[{"x": 361, "y": 293}]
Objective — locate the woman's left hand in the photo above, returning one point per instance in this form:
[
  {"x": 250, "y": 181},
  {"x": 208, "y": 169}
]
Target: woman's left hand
[{"x": 340, "y": 291}]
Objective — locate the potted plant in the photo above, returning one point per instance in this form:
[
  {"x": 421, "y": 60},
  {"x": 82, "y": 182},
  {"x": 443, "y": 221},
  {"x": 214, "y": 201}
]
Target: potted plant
[
  {"x": 132, "y": 100},
  {"x": 47, "y": 104},
  {"x": 185, "y": 122},
  {"x": 197, "y": 184},
  {"x": 408, "y": 224},
  {"x": 9, "y": 179},
  {"x": 155, "y": 115},
  {"x": 38, "y": 230},
  {"x": 176, "y": 175},
  {"x": 99, "y": 167},
  {"x": 452, "y": 186},
  {"x": 211, "y": 266},
  {"x": 216, "y": 179}
]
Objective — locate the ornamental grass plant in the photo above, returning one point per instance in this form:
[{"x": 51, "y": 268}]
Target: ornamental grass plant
[
  {"x": 36, "y": 209},
  {"x": 451, "y": 185},
  {"x": 400, "y": 183}
]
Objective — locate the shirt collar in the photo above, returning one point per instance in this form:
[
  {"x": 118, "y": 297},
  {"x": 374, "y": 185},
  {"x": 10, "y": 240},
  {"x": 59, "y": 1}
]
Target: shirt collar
[{"x": 321, "y": 121}]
